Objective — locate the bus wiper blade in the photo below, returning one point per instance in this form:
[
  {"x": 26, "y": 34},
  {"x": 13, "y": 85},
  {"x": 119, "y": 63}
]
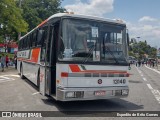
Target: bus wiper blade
[
  {"x": 104, "y": 51},
  {"x": 90, "y": 53}
]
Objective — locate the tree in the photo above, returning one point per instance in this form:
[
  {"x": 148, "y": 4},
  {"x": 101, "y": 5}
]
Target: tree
[
  {"x": 36, "y": 11},
  {"x": 140, "y": 48},
  {"x": 11, "y": 19}
]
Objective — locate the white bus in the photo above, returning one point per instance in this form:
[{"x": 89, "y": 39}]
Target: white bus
[{"x": 76, "y": 57}]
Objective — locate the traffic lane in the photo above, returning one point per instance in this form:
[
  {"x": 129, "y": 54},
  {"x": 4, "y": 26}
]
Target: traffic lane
[
  {"x": 151, "y": 77},
  {"x": 142, "y": 94},
  {"x": 21, "y": 95}
]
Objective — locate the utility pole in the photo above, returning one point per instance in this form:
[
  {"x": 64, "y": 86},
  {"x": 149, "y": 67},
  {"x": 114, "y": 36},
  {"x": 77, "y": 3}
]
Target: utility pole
[{"x": 138, "y": 47}]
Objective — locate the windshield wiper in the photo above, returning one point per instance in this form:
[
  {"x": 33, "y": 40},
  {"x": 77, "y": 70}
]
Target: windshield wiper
[
  {"x": 104, "y": 51},
  {"x": 91, "y": 51}
]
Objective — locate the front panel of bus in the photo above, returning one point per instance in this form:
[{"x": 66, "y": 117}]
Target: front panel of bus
[{"x": 92, "y": 60}]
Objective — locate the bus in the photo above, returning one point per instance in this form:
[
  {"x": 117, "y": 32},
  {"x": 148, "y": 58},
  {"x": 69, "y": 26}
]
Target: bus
[{"x": 76, "y": 57}]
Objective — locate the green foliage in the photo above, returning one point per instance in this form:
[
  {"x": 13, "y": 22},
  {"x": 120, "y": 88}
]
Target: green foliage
[
  {"x": 140, "y": 48},
  {"x": 11, "y": 18},
  {"x": 36, "y": 11}
]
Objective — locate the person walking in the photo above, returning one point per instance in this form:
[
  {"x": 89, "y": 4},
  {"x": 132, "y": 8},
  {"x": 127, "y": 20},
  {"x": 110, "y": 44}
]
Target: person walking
[
  {"x": 3, "y": 60},
  {"x": 7, "y": 60},
  {"x": 15, "y": 61}
]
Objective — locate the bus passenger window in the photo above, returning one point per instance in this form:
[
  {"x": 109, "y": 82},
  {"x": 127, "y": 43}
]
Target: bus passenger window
[{"x": 39, "y": 37}]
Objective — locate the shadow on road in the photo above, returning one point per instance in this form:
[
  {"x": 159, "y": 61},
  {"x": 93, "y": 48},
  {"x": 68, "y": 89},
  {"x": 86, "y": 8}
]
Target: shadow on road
[{"x": 93, "y": 106}]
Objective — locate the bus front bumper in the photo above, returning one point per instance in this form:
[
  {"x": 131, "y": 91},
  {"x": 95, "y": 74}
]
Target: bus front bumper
[{"x": 75, "y": 94}]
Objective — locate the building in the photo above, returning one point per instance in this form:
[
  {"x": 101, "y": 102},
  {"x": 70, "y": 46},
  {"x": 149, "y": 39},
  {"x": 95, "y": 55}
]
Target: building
[{"x": 12, "y": 47}]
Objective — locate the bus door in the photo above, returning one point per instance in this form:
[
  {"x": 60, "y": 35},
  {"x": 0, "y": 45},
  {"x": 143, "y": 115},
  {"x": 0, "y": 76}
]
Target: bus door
[{"x": 51, "y": 59}]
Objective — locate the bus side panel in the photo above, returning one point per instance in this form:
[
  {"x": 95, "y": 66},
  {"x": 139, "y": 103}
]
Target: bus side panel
[
  {"x": 61, "y": 69},
  {"x": 30, "y": 71},
  {"x": 42, "y": 80},
  {"x": 29, "y": 61}
]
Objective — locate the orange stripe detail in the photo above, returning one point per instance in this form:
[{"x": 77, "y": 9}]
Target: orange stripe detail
[
  {"x": 75, "y": 68},
  {"x": 35, "y": 55},
  {"x": 43, "y": 22},
  {"x": 64, "y": 74},
  {"x": 103, "y": 71}
]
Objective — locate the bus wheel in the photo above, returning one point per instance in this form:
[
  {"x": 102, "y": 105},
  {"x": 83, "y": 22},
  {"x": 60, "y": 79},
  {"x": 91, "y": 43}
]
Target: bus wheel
[{"x": 21, "y": 73}]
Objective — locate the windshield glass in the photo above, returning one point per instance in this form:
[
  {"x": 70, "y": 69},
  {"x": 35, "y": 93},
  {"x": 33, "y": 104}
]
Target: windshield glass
[{"x": 92, "y": 41}]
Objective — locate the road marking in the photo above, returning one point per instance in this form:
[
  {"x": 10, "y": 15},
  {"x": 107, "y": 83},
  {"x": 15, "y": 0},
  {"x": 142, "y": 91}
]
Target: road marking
[
  {"x": 140, "y": 72},
  {"x": 153, "y": 69},
  {"x": 11, "y": 75},
  {"x": 15, "y": 75},
  {"x": 6, "y": 81},
  {"x": 156, "y": 93},
  {"x": 149, "y": 86},
  {"x": 4, "y": 78},
  {"x": 35, "y": 93},
  {"x": 144, "y": 79}
]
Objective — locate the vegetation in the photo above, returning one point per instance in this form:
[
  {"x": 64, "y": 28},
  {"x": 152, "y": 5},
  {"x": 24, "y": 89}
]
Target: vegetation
[
  {"x": 141, "y": 49},
  {"x": 35, "y": 11},
  {"x": 11, "y": 20},
  {"x": 23, "y": 15}
]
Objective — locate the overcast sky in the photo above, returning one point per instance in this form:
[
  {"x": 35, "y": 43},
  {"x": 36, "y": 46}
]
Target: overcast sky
[{"x": 141, "y": 16}]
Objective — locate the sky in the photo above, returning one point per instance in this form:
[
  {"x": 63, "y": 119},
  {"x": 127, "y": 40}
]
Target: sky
[{"x": 142, "y": 17}]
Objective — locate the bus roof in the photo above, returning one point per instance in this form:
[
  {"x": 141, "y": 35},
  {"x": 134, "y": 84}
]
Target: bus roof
[
  {"x": 118, "y": 21},
  {"x": 77, "y": 16}
]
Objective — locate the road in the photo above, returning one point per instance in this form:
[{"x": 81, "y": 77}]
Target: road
[{"x": 21, "y": 95}]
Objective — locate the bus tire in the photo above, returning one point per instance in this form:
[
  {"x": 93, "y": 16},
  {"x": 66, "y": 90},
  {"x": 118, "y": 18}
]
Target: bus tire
[{"x": 21, "y": 72}]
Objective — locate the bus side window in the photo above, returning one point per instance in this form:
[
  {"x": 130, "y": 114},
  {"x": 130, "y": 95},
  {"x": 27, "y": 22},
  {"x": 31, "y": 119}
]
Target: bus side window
[
  {"x": 34, "y": 38},
  {"x": 28, "y": 41},
  {"x": 43, "y": 43},
  {"x": 39, "y": 37},
  {"x": 19, "y": 45}
]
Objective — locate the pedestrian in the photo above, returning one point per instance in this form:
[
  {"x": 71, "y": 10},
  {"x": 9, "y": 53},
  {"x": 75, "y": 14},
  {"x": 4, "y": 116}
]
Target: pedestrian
[
  {"x": 7, "y": 60},
  {"x": 3, "y": 60},
  {"x": 153, "y": 63},
  {"x": 136, "y": 63},
  {"x": 139, "y": 63},
  {"x": 15, "y": 61}
]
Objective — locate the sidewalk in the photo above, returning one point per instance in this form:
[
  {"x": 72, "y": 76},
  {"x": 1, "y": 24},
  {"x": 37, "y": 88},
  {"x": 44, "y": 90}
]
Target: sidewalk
[{"x": 10, "y": 68}]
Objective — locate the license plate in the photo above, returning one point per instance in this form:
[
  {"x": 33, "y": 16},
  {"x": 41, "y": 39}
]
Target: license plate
[{"x": 100, "y": 93}]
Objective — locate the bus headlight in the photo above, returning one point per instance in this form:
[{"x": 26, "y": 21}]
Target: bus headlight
[
  {"x": 70, "y": 95},
  {"x": 76, "y": 94},
  {"x": 125, "y": 92}
]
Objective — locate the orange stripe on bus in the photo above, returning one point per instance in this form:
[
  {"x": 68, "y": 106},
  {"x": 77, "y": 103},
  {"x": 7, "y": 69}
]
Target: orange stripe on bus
[
  {"x": 75, "y": 68},
  {"x": 43, "y": 22},
  {"x": 103, "y": 71},
  {"x": 35, "y": 55}
]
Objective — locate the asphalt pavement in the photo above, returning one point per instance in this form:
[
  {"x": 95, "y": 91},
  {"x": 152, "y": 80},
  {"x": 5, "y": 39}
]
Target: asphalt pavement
[{"x": 22, "y": 95}]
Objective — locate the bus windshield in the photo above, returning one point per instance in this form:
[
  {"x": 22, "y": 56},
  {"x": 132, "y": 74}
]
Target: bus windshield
[{"x": 92, "y": 41}]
